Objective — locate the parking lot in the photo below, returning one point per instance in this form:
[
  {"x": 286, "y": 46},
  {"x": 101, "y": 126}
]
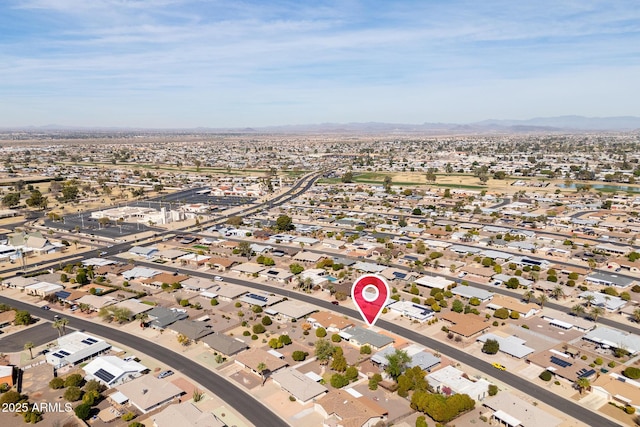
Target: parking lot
[{"x": 82, "y": 220}]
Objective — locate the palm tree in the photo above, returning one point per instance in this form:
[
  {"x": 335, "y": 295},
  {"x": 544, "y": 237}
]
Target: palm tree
[
  {"x": 527, "y": 295},
  {"x": 558, "y": 292},
  {"x": 57, "y": 325},
  {"x": 262, "y": 367},
  {"x": 142, "y": 317},
  {"x": 596, "y": 312},
  {"x": 583, "y": 383},
  {"x": 29, "y": 346},
  {"x": 61, "y": 325},
  {"x": 589, "y": 298},
  {"x": 578, "y": 309},
  {"x": 542, "y": 300}
]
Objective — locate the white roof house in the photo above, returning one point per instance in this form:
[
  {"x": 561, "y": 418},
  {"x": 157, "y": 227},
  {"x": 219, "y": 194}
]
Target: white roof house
[
  {"x": 299, "y": 385},
  {"x": 43, "y": 289},
  {"x": 75, "y": 348},
  {"x": 112, "y": 371},
  {"x": 185, "y": 414},
  {"x": 434, "y": 282},
  {"x": 453, "y": 379},
  {"x": 148, "y": 392},
  {"x": 511, "y": 345},
  {"x": 613, "y": 338},
  {"x": 140, "y": 272}
]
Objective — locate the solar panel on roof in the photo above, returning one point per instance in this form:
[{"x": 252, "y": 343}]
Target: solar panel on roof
[
  {"x": 588, "y": 373},
  {"x": 59, "y": 356},
  {"x": 104, "y": 375},
  {"x": 92, "y": 340},
  {"x": 258, "y": 297},
  {"x": 560, "y": 362},
  {"x": 63, "y": 352}
]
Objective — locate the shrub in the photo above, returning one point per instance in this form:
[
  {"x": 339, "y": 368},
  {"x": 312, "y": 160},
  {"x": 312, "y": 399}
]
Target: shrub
[
  {"x": 514, "y": 315},
  {"x": 339, "y": 381},
  {"x": 321, "y": 332},
  {"x": 630, "y": 409},
  {"x": 292, "y": 399},
  {"x": 632, "y": 372},
  {"x": 214, "y": 301},
  {"x": 501, "y": 313},
  {"x": 545, "y": 375},
  {"x": 128, "y": 416},
  {"x": 258, "y": 328},
  {"x": 336, "y": 338},
  {"x": 12, "y": 397},
  {"x": 495, "y": 323},
  {"x": 598, "y": 361},
  {"x": 266, "y": 321},
  {"x": 493, "y": 390},
  {"x": 299, "y": 356},
  {"x": 421, "y": 421},
  {"x": 56, "y": 383},
  {"x": 611, "y": 364},
  {"x": 365, "y": 349}
]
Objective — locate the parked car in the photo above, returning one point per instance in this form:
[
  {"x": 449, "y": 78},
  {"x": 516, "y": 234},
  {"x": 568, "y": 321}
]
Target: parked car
[
  {"x": 218, "y": 279},
  {"x": 498, "y": 366},
  {"x": 46, "y": 307},
  {"x": 165, "y": 374},
  {"x": 335, "y": 302}
]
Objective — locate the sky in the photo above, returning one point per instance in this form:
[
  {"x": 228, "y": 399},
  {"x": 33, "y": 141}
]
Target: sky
[{"x": 241, "y": 63}]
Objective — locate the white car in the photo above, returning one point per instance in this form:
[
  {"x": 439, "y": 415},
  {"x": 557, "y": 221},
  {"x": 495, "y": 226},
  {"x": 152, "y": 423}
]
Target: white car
[{"x": 218, "y": 279}]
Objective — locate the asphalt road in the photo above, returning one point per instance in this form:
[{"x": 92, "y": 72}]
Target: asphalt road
[
  {"x": 568, "y": 407},
  {"x": 232, "y": 394},
  {"x": 38, "y": 335}
]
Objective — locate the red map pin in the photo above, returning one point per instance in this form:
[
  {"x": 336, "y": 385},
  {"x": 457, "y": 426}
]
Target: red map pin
[{"x": 370, "y": 293}]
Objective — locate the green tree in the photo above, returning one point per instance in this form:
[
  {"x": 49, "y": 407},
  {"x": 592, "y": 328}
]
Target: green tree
[
  {"x": 83, "y": 411},
  {"x": 56, "y": 383},
  {"x": 22, "y": 317},
  {"x": 338, "y": 381},
  {"x": 387, "y": 184},
  {"x": 321, "y": 332},
  {"x": 73, "y": 380},
  {"x": 457, "y": 306},
  {"x": 11, "y": 199},
  {"x": 244, "y": 249},
  {"x": 323, "y": 351},
  {"x": 491, "y": 346},
  {"x": 396, "y": 363},
  {"x": 73, "y": 393},
  {"x": 284, "y": 223},
  {"x": 347, "y": 177},
  {"x": 296, "y": 268},
  {"x": 36, "y": 200}
]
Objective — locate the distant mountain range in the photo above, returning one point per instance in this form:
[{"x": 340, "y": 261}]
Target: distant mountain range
[
  {"x": 535, "y": 125},
  {"x": 540, "y": 124}
]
